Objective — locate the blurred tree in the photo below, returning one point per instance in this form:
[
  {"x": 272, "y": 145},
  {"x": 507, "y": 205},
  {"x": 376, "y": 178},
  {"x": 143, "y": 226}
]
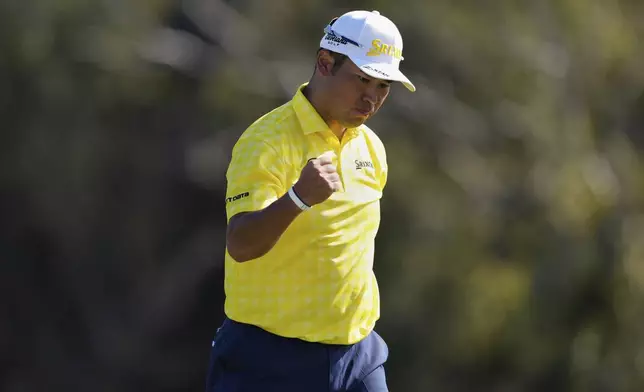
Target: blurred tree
[{"x": 516, "y": 265}]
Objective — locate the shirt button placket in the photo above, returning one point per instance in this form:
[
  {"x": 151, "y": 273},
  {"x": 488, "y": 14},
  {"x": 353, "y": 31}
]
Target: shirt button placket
[{"x": 333, "y": 141}]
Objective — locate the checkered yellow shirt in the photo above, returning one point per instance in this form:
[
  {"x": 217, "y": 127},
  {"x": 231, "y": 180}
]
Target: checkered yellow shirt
[{"x": 317, "y": 283}]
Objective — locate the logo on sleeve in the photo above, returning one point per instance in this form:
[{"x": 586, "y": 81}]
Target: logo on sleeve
[
  {"x": 363, "y": 164},
  {"x": 237, "y": 197}
]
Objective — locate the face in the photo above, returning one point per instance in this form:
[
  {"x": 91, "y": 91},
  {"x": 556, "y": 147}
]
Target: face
[{"x": 353, "y": 96}]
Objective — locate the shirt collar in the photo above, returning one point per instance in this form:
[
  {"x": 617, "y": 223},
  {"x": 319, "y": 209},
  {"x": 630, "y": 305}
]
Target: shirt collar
[{"x": 309, "y": 118}]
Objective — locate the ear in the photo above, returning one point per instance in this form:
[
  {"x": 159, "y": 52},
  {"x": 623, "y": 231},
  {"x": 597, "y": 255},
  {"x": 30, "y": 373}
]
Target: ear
[{"x": 324, "y": 63}]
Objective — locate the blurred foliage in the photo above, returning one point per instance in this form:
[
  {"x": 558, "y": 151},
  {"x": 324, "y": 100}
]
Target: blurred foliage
[{"x": 511, "y": 252}]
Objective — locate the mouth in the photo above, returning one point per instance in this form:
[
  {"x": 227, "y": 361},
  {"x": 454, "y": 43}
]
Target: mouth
[{"x": 363, "y": 112}]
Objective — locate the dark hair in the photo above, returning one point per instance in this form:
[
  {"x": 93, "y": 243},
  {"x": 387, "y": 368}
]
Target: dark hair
[{"x": 338, "y": 59}]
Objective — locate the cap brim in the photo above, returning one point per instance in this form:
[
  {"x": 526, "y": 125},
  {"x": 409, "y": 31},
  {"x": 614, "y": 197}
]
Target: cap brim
[{"x": 386, "y": 72}]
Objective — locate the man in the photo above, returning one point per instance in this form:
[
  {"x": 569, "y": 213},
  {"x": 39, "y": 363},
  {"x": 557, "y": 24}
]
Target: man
[{"x": 304, "y": 185}]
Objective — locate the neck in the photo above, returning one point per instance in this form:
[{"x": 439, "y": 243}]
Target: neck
[{"x": 313, "y": 93}]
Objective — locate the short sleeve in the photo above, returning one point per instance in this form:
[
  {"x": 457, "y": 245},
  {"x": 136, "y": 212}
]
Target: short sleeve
[
  {"x": 255, "y": 176},
  {"x": 384, "y": 171},
  {"x": 379, "y": 156},
  {"x": 382, "y": 163}
]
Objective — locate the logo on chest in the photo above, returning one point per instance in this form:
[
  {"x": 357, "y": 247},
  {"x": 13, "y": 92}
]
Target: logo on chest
[{"x": 363, "y": 164}]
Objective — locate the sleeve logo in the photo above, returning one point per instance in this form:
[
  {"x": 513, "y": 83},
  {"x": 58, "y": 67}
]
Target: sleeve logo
[{"x": 237, "y": 197}]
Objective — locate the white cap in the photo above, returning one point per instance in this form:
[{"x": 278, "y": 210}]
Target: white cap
[{"x": 371, "y": 41}]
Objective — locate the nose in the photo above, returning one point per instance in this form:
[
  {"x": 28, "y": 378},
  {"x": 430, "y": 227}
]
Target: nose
[{"x": 370, "y": 95}]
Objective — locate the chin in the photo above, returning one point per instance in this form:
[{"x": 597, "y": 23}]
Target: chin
[{"x": 355, "y": 122}]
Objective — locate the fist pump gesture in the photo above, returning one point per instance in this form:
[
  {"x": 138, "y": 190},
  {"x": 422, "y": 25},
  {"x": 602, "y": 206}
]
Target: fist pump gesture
[{"x": 318, "y": 180}]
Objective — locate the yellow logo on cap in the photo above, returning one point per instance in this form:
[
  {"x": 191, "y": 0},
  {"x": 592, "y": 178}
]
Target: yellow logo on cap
[{"x": 378, "y": 48}]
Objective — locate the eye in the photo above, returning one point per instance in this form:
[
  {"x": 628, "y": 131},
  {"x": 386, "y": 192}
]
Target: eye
[
  {"x": 363, "y": 79},
  {"x": 384, "y": 85}
]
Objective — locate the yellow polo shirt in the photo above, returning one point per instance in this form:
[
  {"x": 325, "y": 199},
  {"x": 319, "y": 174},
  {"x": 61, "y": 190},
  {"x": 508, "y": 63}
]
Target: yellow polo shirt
[{"x": 317, "y": 283}]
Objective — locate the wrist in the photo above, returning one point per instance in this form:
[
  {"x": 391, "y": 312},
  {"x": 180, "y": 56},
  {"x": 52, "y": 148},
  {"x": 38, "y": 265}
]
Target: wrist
[{"x": 297, "y": 200}]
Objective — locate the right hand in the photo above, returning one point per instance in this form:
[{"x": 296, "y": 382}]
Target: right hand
[{"x": 318, "y": 180}]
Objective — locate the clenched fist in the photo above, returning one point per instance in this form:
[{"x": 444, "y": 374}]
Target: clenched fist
[{"x": 318, "y": 180}]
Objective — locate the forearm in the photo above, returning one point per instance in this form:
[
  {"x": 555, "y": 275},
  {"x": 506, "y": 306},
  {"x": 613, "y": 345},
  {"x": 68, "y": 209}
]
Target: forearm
[{"x": 253, "y": 234}]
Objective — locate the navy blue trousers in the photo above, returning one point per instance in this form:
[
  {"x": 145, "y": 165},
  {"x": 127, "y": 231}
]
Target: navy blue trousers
[{"x": 245, "y": 358}]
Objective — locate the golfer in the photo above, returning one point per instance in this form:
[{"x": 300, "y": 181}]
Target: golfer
[{"x": 302, "y": 201}]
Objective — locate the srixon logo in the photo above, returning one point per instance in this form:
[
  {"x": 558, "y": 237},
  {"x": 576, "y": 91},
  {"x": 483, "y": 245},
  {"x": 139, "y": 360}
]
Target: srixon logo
[
  {"x": 362, "y": 164},
  {"x": 237, "y": 197}
]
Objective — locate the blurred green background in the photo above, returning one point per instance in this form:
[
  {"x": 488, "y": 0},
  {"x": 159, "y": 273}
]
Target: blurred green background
[{"x": 511, "y": 251}]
